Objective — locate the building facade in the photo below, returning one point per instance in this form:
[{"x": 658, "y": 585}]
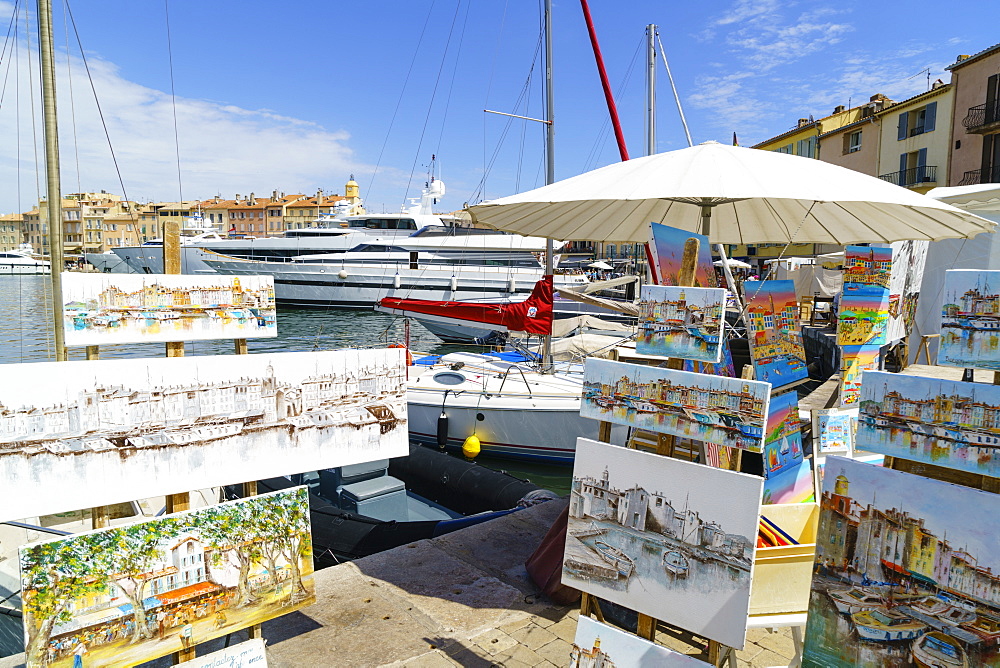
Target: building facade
[{"x": 975, "y": 133}]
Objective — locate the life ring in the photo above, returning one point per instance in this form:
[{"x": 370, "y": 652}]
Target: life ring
[{"x": 409, "y": 356}]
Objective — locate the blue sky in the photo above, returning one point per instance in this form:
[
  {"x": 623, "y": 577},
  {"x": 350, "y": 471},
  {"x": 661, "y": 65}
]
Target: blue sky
[{"x": 298, "y": 96}]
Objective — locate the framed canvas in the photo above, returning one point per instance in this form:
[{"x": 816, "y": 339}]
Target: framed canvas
[
  {"x": 863, "y": 317},
  {"x": 833, "y": 430},
  {"x": 598, "y": 644},
  {"x": 775, "y": 340},
  {"x": 854, "y": 362},
  {"x": 970, "y": 319},
  {"x": 667, "y": 248},
  {"x": 686, "y": 323}
]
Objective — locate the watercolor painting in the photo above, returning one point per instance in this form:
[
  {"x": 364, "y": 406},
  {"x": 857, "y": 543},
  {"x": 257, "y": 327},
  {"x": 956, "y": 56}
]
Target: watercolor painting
[
  {"x": 907, "y": 572},
  {"x": 942, "y": 422},
  {"x": 854, "y": 361},
  {"x": 670, "y": 539},
  {"x": 970, "y": 319},
  {"x": 92, "y": 433},
  {"x": 783, "y": 440},
  {"x": 833, "y": 430},
  {"x": 775, "y": 340},
  {"x": 125, "y": 595},
  {"x": 724, "y": 367},
  {"x": 598, "y": 645},
  {"x": 863, "y": 317},
  {"x": 667, "y": 247},
  {"x": 908, "y": 261},
  {"x": 792, "y": 484},
  {"x": 713, "y": 409},
  {"x": 681, "y": 322},
  {"x": 103, "y": 309}
]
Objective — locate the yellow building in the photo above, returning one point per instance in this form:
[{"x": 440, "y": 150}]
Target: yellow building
[
  {"x": 11, "y": 231},
  {"x": 915, "y": 139},
  {"x": 803, "y": 139}
]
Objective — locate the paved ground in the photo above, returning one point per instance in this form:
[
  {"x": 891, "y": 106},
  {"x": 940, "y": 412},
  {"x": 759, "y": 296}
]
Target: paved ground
[{"x": 459, "y": 600}]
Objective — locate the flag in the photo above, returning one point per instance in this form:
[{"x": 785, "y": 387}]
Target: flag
[{"x": 735, "y": 143}]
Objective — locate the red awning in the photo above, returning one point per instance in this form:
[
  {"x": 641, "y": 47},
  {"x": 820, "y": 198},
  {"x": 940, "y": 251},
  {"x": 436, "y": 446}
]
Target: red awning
[
  {"x": 189, "y": 592},
  {"x": 894, "y": 567}
]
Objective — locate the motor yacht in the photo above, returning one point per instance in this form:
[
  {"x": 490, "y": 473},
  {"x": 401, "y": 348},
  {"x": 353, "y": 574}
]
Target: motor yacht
[{"x": 20, "y": 261}]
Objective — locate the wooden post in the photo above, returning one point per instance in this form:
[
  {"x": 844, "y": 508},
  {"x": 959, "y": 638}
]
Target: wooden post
[
  {"x": 99, "y": 517},
  {"x": 240, "y": 346},
  {"x": 178, "y": 502},
  {"x": 646, "y": 627},
  {"x": 172, "y": 265},
  {"x": 604, "y": 432},
  {"x": 93, "y": 352}
]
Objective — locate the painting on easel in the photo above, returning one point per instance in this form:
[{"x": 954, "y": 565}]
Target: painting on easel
[
  {"x": 686, "y": 323},
  {"x": 598, "y": 644},
  {"x": 775, "y": 339},
  {"x": 970, "y": 319},
  {"x": 667, "y": 247},
  {"x": 864, "y": 306},
  {"x": 854, "y": 361},
  {"x": 833, "y": 430},
  {"x": 664, "y": 537}
]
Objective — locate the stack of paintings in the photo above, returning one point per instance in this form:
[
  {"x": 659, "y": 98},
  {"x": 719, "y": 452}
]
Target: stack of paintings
[
  {"x": 970, "y": 319},
  {"x": 598, "y": 645},
  {"x": 667, "y": 538},
  {"x": 864, "y": 304},
  {"x": 906, "y": 572},
  {"x": 775, "y": 340},
  {"x": 681, "y": 322},
  {"x": 712, "y": 409},
  {"x": 787, "y": 472},
  {"x": 667, "y": 248}
]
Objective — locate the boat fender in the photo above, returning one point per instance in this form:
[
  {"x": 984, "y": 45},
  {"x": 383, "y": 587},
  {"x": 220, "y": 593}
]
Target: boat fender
[
  {"x": 396, "y": 281},
  {"x": 442, "y": 430},
  {"x": 454, "y": 283},
  {"x": 512, "y": 286},
  {"x": 409, "y": 355},
  {"x": 471, "y": 447},
  {"x": 342, "y": 274}
]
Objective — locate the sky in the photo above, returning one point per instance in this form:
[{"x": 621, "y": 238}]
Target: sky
[{"x": 298, "y": 97}]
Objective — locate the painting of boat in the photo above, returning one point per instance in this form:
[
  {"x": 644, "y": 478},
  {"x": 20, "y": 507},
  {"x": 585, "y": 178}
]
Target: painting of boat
[
  {"x": 676, "y": 563},
  {"x": 855, "y": 599},
  {"x": 938, "y": 650},
  {"x": 881, "y": 625},
  {"x": 621, "y": 561}
]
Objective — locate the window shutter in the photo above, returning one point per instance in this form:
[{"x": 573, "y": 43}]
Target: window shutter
[
  {"x": 929, "y": 116},
  {"x": 922, "y": 157},
  {"x": 901, "y": 128},
  {"x": 902, "y": 165}
]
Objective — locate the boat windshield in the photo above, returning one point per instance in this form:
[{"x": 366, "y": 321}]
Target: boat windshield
[
  {"x": 369, "y": 223},
  {"x": 451, "y": 231},
  {"x": 939, "y": 645}
]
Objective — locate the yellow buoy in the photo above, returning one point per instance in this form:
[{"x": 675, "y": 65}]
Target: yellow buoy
[{"x": 471, "y": 447}]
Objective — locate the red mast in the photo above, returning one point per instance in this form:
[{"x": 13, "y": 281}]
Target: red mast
[{"x": 612, "y": 109}]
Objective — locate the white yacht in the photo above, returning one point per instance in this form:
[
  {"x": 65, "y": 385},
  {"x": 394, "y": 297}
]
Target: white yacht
[
  {"x": 20, "y": 261},
  {"x": 109, "y": 263}
]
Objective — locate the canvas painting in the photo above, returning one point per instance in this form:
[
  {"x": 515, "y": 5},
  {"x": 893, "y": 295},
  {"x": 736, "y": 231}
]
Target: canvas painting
[
  {"x": 92, "y": 433},
  {"x": 783, "y": 442},
  {"x": 970, "y": 319},
  {"x": 598, "y": 645},
  {"x": 724, "y": 367},
  {"x": 667, "y": 248},
  {"x": 125, "y": 595},
  {"x": 863, "y": 317},
  {"x": 906, "y": 572},
  {"x": 942, "y": 422},
  {"x": 713, "y": 409},
  {"x": 854, "y": 362},
  {"x": 670, "y": 539},
  {"x": 908, "y": 260},
  {"x": 681, "y": 322},
  {"x": 833, "y": 430},
  {"x": 792, "y": 484},
  {"x": 101, "y": 309},
  {"x": 775, "y": 340}
]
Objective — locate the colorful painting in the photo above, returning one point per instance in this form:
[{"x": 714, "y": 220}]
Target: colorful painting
[
  {"x": 775, "y": 339},
  {"x": 126, "y": 595},
  {"x": 713, "y": 409},
  {"x": 667, "y": 247},
  {"x": 103, "y": 309},
  {"x": 863, "y": 317},
  {"x": 970, "y": 319},
  {"x": 908, "y": 261},
  {"x": 598, "y": 645},
  {"x": 93, "y": 433},
  {"x": 854, "y": 361},
  {"x": 833, "y": 430},
  {"x": 667, "y": 538},
  {"x": 724, "y": 367},
  {"x": 681, "y": 322},
  {"x": 906, "y": 572},
  {"x": 793, "y": 484},
  {"x": 783, "y": 441},
  {"x": 942, "y": 422}
]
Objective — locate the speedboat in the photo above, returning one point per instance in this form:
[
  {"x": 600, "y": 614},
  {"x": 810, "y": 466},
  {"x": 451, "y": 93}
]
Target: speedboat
[
  {"x": 938, "y": 650},
  {"x": 881, "y": 625},
  {"x": 676, "y": 563},
  {"x": 20, "y": 261}
]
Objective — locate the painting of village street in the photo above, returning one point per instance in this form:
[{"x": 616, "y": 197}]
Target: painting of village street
[
  {"x": 970, "y": 319},
  {"x": 598, "y": 645},
  {"x": 668, "y": 538},
  {"x": 855, "y": 361},
  {"x": 681, "y": 322},
  {"x": 942, "y": 422},
  {"x": 104, "y": 309},
  {"x": 863, "y": 318},
  {"x": 713, "y": 409},
  {"x": 775, "y": 340},
  {"x": 907, "y": 572},
  {"x": 126, "y": 595},
  {"x": 667, "y": 247}
]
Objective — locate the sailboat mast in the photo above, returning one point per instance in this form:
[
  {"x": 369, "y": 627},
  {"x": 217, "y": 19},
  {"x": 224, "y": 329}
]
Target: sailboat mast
[
  {"x": 650, "y": 89},
  {"x": 550, "y": 165},
  {"x": 53, "y": 185}
]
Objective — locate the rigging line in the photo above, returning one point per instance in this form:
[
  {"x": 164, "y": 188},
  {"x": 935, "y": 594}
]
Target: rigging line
[
  {"x": 31, "y": 98},
  {"x": 9, "y": 41},
  {"x": 673, "y": 87},
  {"x": 72, "y": 105},
  {"x": 402, "y": 92},
  {"x": 599, "y": 144},
  {"x": 173, "y": 103},
  {"x": 454, "y": 72}
]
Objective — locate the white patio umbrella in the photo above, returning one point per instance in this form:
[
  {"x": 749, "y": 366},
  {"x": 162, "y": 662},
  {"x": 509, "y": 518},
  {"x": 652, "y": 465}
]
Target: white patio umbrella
[
  {"x": 736, "y": 264},
  {"x": 600, "y": 265},
  {"x": 735, "y": 195}
]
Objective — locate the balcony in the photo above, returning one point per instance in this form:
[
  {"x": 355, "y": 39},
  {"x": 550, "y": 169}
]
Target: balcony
[
  {"x": 977, "y": 176},
  {"x": 983, "y": 118},
  {"x": 914, "y": 176}
]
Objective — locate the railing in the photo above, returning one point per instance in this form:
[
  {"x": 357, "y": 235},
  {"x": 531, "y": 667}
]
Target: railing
[
  {"x": 982, "y": 115},
  {"x": 913, "y": 176},
  {"x": 977, "y": 176}
]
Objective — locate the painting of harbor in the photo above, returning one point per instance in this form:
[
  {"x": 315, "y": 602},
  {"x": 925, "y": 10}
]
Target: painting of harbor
[
  {"x": 854, "y": 361},
  {"x": 713, "y": 409},
  {"x": 667, "y": 247},
  {"x": 907, "y": 572},
  {"x": 970, "y": 319},
  {"x": 775, "y": 340},
  {"x": 664, "y": 537},
  {"x": 942, "y": 422},
  {"x": 125, "y": 595},
  {"x": 833, "y": 430},
  {"x": 788, "y": 477},
  {"x": 681, "y": 322},
  {"x": 102, "y": 309},
  {"x": 599, "y": 645},
  {"x": 863, "y": 318},
  {"x": 908, "y": 261},
  {"x": 92, "y": 433}
]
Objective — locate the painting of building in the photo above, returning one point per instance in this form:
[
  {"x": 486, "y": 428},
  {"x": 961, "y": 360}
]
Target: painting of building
[
  {"x": 786, "y": 479},
  {"x": 906, "y": 569},
  {"x": 854, "y": 361},
  {"x": 686, "y": 323},
  {"x": 125, "y": 595},
  {"x": 598, "y": 645},
  {"x": 908, "y": 260},
  {"x": 667, "y": 538},
  {"x": 970, "y": 319},
  {"x": 103, "y": 309},
  {"x": 942, "y": 422},
  {"x": 834, "y": 429},
  {"x": 775, "y": 340},
  {"x": 92, "y": 433},
  {"x": 667, "y": 247},
  {"x": 712, "y": 409},
  {"x": 863, "y": 318}
]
